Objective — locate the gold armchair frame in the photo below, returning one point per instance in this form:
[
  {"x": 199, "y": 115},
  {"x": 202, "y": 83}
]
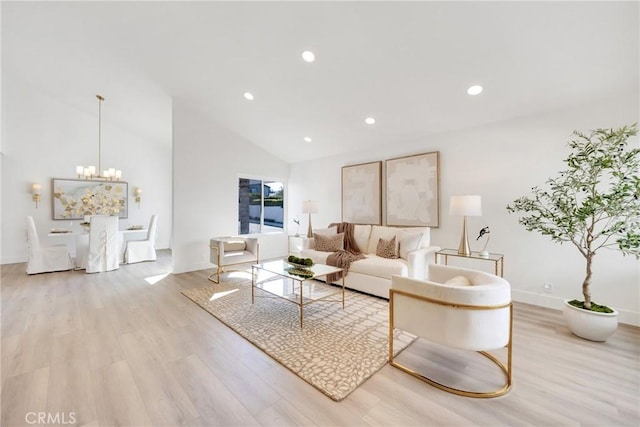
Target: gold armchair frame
[
  {"x": 507, "y": 370},
  {"x": 221, "y": 268}
]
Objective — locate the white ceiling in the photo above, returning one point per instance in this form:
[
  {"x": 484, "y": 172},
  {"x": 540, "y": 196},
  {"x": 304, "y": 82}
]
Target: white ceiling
[{"x": 406, "y": 64}]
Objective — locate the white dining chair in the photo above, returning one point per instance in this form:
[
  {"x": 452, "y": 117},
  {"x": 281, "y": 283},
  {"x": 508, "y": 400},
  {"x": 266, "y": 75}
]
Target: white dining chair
[
  {"x": 45, "y": 259},
  {"x": 103, "y": 244},
  {"x": 143, "y": 250}
]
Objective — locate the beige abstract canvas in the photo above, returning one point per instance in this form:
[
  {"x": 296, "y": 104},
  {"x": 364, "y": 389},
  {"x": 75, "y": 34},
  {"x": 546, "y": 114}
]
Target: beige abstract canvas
[
  {"x": 361, "y": 193},
  {"x": 412, "y": 196}
]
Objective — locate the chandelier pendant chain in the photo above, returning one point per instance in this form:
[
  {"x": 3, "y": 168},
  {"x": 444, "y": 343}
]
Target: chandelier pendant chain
[
  {"x": 90, "y": 172},
  {"x": 100, "y": 99}
]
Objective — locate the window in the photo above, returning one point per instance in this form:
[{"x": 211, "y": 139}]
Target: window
[{"x": 260, "y": 206}]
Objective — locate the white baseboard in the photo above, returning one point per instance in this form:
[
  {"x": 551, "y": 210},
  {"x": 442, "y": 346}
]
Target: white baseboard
[
  {"x": 13, "y": 260},
  {"x": 625, "y": 316},
  {"x": 177, "y": 269}
]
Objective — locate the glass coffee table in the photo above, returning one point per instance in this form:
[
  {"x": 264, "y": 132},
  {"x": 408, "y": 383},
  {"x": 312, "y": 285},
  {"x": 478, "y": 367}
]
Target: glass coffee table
[{"x": 277, "y": 279}]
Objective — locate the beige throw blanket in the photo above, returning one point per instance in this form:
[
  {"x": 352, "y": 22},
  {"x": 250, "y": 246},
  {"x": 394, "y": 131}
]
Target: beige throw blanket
[{"x": 344, "y": 258}]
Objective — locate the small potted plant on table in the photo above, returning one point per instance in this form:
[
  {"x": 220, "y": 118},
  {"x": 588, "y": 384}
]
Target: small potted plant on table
[{"x": 594, "y": 204}]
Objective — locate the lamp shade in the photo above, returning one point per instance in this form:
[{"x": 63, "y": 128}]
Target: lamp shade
[
  {"x": 467, "y": 205},
  {"x": 309, "y": 207}
]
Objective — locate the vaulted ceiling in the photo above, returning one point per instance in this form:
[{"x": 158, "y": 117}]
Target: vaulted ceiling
[{"x": 407, "y": 64}]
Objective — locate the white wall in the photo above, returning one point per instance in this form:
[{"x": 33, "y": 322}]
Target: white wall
[
  {"x": 501, "y": 162},
  {"x": 208, "y": 159},
  {"x": 43, "y": 137}
]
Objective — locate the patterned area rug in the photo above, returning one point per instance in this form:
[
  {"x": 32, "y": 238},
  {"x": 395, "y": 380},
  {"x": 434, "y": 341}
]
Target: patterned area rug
[{"x": 336, "y": 351}]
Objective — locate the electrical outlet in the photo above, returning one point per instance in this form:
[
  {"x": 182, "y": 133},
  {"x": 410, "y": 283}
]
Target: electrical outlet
[{"x": 547, "y": 287}]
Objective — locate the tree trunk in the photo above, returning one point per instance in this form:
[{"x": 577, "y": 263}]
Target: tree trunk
[{"x": 586, "y": 291}]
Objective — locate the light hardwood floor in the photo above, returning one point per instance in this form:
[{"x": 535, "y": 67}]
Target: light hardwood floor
[{"x": 125, "y": 348}]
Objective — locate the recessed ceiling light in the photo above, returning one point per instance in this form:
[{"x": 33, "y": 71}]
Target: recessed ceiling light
[
  {"x": 307, "y": 139},
  {"x": 474, "y": 90},
  {"x": 248, "y": 96},
  {"x": 369, "y": 120},
  {"x": 308, "y": 56}
]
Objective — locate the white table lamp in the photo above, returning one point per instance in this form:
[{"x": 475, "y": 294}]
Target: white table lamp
[
  {"x": 467, "y": 205},
  {"x": 309, "y": 207}
]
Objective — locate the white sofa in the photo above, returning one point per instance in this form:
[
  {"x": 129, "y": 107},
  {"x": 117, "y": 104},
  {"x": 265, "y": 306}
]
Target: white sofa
[{"x": 373, "y": 274}]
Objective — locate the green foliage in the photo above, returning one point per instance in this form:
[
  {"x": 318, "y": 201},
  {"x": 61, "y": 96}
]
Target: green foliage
[
  {"x": 595, "y": 202},
  {"x": 256, "y": 200},
  {"x": 300, "y": 261},
  {"x": 300, "y": 272},
  {"x": 594, "y": 307}
]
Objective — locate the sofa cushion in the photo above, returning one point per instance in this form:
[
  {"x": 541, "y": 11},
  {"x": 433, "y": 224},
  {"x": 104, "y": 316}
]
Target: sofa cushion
[
  {"x": 329, "y": 243},
  {"x": 326, "y": 231},
  {"x": 317, "y": 256},
  {"x": 458, "y": 281},
  {"x": 380, "y": 232},
  {"x": 234, "y": 245},
  {"x": 426, "y": 237},
  {"x": 409, "y": 241},
  {"x": 387, "y": 248},
  {"x": 377, "y": 266},
  {"x": 361, "y": 234}
]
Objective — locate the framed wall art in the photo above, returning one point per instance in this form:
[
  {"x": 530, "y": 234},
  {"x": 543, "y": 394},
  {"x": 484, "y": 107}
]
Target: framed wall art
[
  {"x": 75, "y": 198},
  {"x": 361, "y": 193},
  {"x": 413, "y": 190}
]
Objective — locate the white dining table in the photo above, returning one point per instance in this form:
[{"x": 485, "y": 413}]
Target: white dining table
[{"x": 78, "y": 242}]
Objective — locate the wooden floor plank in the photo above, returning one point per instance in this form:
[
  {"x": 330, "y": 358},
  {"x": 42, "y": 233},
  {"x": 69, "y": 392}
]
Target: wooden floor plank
[{"x": 126, "y": 348}]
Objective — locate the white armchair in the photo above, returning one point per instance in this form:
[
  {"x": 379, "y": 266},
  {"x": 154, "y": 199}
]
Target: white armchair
[
  {"x": 227, "y": 251},
  {"x": 454, "y": 307},
  {"x": 44, "y": 259}
]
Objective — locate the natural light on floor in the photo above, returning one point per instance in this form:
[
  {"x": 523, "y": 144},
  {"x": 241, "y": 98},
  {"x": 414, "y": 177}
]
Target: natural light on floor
[
  {"x": 239, "y": 274},
  {"x": 155, "y": 279},
  {"x": 222, "y": 294}
]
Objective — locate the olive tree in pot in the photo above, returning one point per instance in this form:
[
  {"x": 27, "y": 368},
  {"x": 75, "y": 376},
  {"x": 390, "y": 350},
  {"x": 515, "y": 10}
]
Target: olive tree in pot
[{"x": 594, "y": 204}]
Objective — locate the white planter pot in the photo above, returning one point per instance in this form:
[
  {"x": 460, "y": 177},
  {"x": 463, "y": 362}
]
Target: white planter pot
[{"x": 589, "y": 324}]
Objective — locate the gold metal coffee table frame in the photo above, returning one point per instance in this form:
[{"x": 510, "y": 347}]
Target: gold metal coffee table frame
[{"x": 295, "y": 293}]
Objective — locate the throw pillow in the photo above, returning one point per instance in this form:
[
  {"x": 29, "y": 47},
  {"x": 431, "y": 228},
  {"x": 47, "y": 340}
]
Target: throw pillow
[
  {"x": 409, "y": 242},
  {"x": 458, "y": 281},
  {"x": 326, "y": 231},
  {"x": 331, "y": 243},
  {"x": 380, "y": 232},
  {"x": 386, "y": 248}
]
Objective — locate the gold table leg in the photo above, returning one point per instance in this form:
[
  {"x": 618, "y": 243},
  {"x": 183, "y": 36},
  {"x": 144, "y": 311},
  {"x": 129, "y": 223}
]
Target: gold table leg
[{"x": 301, "y": 306}]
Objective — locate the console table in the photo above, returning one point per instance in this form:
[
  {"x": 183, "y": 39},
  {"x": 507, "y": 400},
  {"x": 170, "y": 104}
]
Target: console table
[{"x": 497, "y": 259}]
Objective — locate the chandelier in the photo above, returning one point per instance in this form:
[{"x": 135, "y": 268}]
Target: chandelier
[{"x": 90, "y": 172}]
